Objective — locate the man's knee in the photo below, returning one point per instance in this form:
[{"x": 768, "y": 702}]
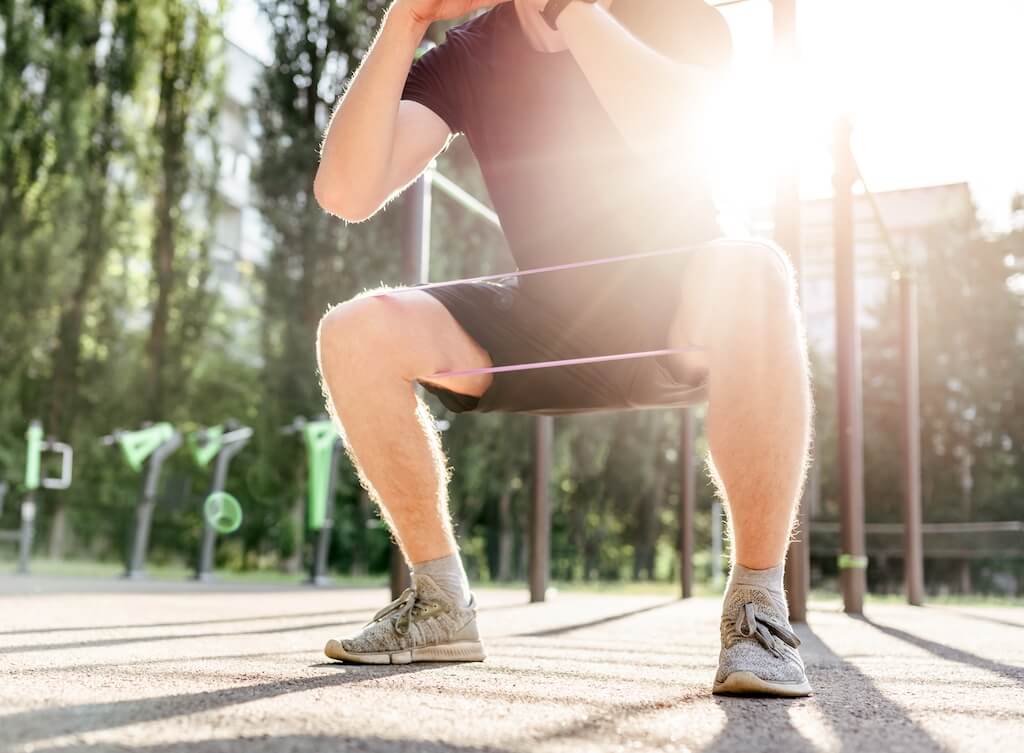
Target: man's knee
[
  {"x": 752, "y": 279},
  {"x": 357, "y": 331},
  {"x": 756, "y": 266},
  {"x": 738, "y": 290}
]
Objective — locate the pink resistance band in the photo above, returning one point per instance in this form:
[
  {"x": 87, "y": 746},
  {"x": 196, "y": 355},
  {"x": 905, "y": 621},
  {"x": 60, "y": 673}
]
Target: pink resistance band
[
  {"x": 563, "y": 362},
  {"x": 555, "y": 268}
]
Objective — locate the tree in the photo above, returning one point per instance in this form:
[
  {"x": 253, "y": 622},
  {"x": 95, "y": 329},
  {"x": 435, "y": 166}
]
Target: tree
[
  {"x": 189, "y": 91},
  {"x": 111, "y": 79}
]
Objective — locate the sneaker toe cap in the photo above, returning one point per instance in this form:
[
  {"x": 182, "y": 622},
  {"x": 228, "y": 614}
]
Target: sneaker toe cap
[{"x": 746, "y": 657}]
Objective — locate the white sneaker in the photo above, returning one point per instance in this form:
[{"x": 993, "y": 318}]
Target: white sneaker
[
  {"x": 423, "y": 624},
  {"x": 759, "y": 648}
]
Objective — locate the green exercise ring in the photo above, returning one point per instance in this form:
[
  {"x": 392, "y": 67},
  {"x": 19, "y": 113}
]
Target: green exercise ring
[{"x": 222, "y": 512}]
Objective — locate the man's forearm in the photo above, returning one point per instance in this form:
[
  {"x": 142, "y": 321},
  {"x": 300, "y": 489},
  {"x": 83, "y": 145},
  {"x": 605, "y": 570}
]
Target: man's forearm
[
  {"x": 646, "y": 94},
  {"x": 357, "y": 149}
]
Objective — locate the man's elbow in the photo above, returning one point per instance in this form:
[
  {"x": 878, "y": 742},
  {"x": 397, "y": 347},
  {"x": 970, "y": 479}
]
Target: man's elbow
[{"x": 341, "y": 200}]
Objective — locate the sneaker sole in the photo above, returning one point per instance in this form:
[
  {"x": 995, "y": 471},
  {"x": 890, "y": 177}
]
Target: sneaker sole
[
  {"x": 464, "y": 651},
  {"x": 747, "y": 683}
]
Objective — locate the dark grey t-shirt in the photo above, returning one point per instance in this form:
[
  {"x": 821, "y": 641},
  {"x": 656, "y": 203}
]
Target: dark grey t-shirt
[{"x": 562, "y": 179}]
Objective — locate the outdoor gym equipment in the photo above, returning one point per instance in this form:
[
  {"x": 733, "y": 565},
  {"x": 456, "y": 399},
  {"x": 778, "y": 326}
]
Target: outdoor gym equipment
[
  {"x": 221, "y": 511},
  {"x": 33, "y": 481},
  {"x": 155, "y": 443},
  {"x": 323, "y": 450}
]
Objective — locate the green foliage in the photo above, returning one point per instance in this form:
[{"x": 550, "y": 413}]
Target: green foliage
[
  {"x": 111, "y": 313},
  {"x": 971, "y": 373}
]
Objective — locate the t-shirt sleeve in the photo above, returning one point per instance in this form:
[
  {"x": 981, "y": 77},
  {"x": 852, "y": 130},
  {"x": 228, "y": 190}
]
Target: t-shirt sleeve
[{"x": 437, "y": 81}]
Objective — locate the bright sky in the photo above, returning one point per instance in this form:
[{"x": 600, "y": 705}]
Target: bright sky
[{"x": 933, "y": 87}]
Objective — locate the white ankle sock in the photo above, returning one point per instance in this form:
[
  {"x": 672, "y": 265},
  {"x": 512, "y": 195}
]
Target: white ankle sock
[
  {"x": 770, "y": 580},
  {"x": 449, "y": 574}
]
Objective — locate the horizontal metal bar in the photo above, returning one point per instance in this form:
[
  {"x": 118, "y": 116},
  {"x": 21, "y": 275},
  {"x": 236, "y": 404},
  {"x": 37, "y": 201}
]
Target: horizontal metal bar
[
  {"x": 1009, "y": 526},
  {"x": 464, "y": 198},
  {"x": 10, "y": 535},
  {"x": 930, "y": 552}
]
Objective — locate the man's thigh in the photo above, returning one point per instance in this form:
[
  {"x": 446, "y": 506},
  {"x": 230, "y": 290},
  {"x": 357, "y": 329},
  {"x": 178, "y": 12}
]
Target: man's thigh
[
  {"x": 515, "y": 328},
  {"x": 430, "y": 338},
  {"x": 711, "y": 293}
]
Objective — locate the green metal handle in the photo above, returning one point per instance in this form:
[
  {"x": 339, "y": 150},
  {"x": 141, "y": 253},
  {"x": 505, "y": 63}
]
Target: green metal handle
[
  {"x": 852, "y": 561},
  {"x": 139, "y": 445},
  {"x": 205, "y": 444},
  {"x": 34, "y": 435},
  {"x": 320, "y": 437}
]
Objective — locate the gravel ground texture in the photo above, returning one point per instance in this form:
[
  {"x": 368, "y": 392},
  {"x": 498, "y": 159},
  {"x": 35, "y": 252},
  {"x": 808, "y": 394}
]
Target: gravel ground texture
[{"x": 97, "y": 666}]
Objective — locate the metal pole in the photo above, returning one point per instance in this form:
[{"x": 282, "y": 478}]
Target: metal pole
[
  {"x": 913, "y": 550},
  {"x": 415, "y": 270},
  {"x": 852, "y": 559},
  {"x": 144, "y": 511},
  {"x": 27, "y": 532},
  {"x": 463, "y": 197},
  {"x": 540, "y": 520},
  {"x": 208, "y": 547},
  {"x": 687, "y": 499},
  {"x": 787, "y": 235},
  {"x": 206, "y": 552},
  {"x": 321, "y": 551},
  {"x": 416, "y": 232}
]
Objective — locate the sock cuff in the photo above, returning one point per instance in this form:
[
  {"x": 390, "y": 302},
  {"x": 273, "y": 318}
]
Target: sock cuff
[
  {"x": 768, "y": 577},
  {"x": 427, "y": 564}
]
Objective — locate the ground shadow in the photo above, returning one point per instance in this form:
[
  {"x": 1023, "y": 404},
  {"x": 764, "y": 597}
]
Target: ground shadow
[
  {"x": 861, "y": 717},
  {"x": 949, "y": 653},
  {"x": 227, "y": 620},
  {"x": 291, "y": 743},
  {"x": 188, "y": 623},
  {"x": 604, "y": 726},
  {"x": 563, "y": 629},
  {"x": 758, "y": 724},
  {"x": 27, "y": 726},
  {"x": 103, "y": 642},
  {"x": 67, "y": 668},
  {"x": 981, "y": 617}
]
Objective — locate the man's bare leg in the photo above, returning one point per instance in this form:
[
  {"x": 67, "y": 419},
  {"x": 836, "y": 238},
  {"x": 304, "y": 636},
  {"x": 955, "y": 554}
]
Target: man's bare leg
[
  {"x": 371, "y": 351},
  {"x": 739, "y": 305}
]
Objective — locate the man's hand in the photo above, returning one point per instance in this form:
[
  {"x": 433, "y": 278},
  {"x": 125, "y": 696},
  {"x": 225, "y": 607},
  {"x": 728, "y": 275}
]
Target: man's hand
[{"x": 427, "y": 11}]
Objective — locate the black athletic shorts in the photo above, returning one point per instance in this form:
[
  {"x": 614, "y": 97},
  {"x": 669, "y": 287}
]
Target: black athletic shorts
[{"x": 573, "y": 314}]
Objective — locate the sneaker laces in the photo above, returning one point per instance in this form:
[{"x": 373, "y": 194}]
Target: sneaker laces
[
  {"x": 748, "y": 625},
  {"x": 406, "y": 609}
]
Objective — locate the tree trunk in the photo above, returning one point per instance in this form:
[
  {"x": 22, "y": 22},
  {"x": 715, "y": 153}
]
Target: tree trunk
[
  {"x": 505, "y": 534},
  {"x": 293, "y": 565},
  {"x": 177, "y": 77},
  {"x": 58, "y": 531},
  {"x": 163, "y": 272},
  {"x": 68, "y": 352},
  {"x": 92, "y": 250}
]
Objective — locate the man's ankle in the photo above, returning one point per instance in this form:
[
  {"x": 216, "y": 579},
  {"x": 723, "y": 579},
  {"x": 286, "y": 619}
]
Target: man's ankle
[
  {"x": 450, "y": 576},
  {"x": 770, "y": 579}
]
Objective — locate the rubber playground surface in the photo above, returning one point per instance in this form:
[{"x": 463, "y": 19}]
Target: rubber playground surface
[{"x": 107, "y": 665}]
